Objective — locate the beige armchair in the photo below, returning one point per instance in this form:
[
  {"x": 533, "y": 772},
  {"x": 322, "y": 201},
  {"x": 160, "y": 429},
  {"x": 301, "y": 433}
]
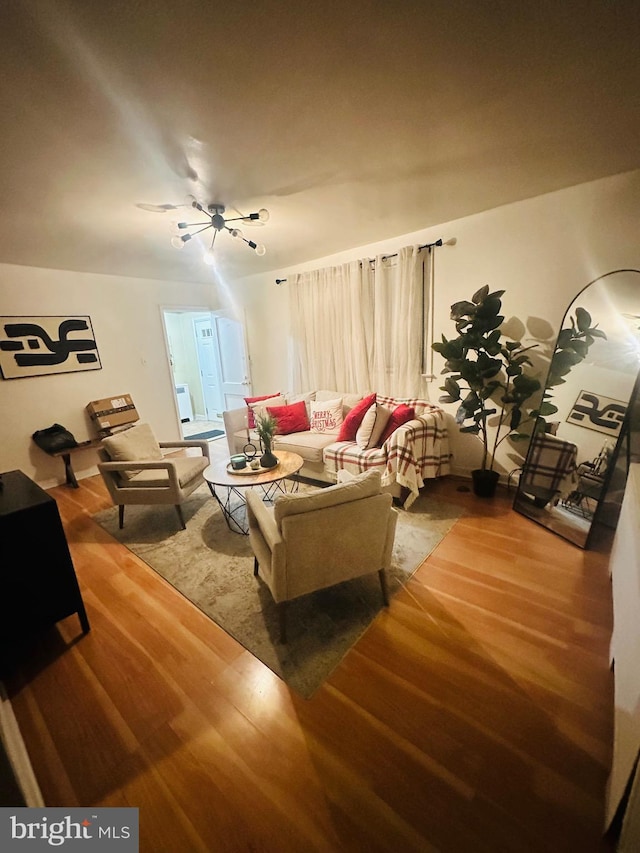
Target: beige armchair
[
  {"x": 136, "y": 472},
  {"x": 307, "y": 542}
]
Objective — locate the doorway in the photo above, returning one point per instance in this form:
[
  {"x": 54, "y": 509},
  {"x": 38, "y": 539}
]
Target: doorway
[{"x": 209, "y": 363}]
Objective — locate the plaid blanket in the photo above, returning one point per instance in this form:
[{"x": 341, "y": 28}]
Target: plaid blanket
[
  {"x": 415, "y": 452},
  {"x": 551, "y": 467}
]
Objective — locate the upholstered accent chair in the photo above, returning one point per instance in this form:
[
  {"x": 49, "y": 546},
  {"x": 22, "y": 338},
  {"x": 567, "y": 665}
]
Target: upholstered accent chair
[
  {"x": 136, "y": 472},
  {"x": 307, "y": 542}
]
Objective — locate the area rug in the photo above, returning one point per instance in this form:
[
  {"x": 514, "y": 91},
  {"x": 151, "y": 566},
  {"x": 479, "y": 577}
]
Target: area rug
[
  {"x": 213, "y": 568},
  {"x": 212, "y": 433}
]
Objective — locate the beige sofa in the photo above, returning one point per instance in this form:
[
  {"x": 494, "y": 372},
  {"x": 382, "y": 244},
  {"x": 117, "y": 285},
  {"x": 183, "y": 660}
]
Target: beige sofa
[{"x": 415, "y": 452}]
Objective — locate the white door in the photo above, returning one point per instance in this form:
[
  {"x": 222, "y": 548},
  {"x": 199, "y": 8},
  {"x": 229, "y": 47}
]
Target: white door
[
  {"x": 235, "y": 382},
  {"x": 209, "y": 372}
]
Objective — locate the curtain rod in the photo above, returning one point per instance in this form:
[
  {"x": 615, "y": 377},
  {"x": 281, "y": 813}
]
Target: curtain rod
[{"x": 450, "y": 241}]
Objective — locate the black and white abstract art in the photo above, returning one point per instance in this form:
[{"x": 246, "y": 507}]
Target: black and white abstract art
[
  {"x": 37, "y": 346},
  {"x": 599, "y": 413}
]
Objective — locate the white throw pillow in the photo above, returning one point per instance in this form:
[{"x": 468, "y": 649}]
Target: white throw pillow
[
  {"x": 259, "y": 408},
  {"x": 325, "y": 415},
  {"x": 136, "y": 444},
  {"x": 373, "y": 424}
]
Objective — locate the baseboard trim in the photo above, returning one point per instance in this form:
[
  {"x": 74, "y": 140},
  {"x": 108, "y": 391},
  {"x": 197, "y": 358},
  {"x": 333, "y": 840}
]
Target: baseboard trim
[{"x": 17, "y": 753}]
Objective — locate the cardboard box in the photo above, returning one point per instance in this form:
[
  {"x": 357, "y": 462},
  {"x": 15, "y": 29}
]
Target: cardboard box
[{"x": 112, "y": 412}]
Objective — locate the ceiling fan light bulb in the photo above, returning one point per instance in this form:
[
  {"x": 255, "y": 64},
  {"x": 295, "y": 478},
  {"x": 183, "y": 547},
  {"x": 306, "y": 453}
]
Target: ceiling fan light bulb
[
  {"x": 236, "y": 233},
  {"x": 208, "y": 258},
  {"x": 178, "y": 241},
  {"x": 260, "y": 249},
  {"x": 263, "y": 215}
]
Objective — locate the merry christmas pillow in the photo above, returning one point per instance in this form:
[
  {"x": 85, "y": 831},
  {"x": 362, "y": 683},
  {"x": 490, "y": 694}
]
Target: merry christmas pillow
[{"x": 326, "y": 416}]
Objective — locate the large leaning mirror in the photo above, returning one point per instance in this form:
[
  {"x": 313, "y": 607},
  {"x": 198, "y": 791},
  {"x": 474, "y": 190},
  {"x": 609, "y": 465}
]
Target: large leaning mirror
[{"x": 575, "y": 472}]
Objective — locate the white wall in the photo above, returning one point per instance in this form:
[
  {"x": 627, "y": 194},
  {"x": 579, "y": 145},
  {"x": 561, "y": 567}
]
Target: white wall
[
  {"x": 127, "y": 322},
  {"x": 541, "y": 251}
]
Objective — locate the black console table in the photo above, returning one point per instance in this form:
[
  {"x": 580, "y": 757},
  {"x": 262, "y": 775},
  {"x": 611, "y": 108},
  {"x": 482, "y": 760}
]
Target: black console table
[{"x": 38, "y": 584}]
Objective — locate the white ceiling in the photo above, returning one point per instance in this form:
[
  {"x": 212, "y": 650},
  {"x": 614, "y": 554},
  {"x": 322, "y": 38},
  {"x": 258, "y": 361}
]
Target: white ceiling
[{"x": 350, "y": 121}]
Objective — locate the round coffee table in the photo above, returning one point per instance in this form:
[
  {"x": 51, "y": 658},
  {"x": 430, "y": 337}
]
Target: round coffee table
[{"x": 232, "y": 503}]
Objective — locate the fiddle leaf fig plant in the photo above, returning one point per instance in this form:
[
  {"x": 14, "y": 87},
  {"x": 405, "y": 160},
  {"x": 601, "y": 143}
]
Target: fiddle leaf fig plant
[{"x": 487, "y": 374}]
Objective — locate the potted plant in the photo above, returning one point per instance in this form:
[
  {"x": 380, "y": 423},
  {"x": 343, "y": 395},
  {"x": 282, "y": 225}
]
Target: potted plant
[
  {"x": 266, "y": 427},
  {"x": 487, "y": 377}
]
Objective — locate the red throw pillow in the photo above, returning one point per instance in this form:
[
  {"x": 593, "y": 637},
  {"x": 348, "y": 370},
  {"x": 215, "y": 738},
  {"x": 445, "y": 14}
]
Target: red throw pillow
[
  {"x": 291, "y": 418},
  {"x": 354, "y": 418},
  {"x": 251, "y": 421},
  {"x": 399, "y": 416}
]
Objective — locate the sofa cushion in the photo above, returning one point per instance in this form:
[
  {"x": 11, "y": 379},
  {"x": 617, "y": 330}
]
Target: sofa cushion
[
  {"x": 187, "y": 467},
  {"x": 326, "y": 416},
  {"x": 309, "y": 445},
  {"x": 306, "y": 397},
  {"x": 292, "y": 418},
  {"x": 138, "y": 443},
  {"x": 348, "y": 400},
  {"x": 402, "y": 414},
  {"x": 250, "y": 401},
  {"x": 372, "y": 426},
  {"x": 354, "y": 418}
]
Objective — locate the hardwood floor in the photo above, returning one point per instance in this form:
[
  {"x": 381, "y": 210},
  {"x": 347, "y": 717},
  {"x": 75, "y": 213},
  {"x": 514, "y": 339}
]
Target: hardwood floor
[{"x": 474, "y": 715}]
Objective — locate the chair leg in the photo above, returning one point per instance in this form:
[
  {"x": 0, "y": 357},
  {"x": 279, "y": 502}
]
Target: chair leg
[
  {"x": 282, "y": 618},
  {"x": 180, "y": 516},
  {"x": 120, "y": 516},
  {"x": 255, "y": 567},
  {"x": 383, "y": 586}
]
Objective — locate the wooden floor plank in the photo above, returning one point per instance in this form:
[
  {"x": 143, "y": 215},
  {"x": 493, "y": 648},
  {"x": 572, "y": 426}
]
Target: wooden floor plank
[{"x": 475, "y": 714}]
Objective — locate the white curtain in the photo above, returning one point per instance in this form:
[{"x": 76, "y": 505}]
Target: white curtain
[{"x": 360, "y": 326}]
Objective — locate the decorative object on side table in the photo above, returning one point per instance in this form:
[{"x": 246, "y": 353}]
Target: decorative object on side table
[
  {"x": 238, "y": 461},
  {"x": 251, "y": 452},
  {"x": 266, "y": 427}
]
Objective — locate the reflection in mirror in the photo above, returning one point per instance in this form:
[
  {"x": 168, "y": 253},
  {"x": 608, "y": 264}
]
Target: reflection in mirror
[{"x": 574, "y": 475}]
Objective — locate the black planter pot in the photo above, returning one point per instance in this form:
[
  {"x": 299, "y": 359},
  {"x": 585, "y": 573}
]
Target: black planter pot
[
  {"x": 268, "y": 459},
  {"x": 484, "y": 482}
]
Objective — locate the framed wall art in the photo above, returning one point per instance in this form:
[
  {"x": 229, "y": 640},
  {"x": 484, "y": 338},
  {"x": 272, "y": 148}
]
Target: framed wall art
[
  {"x": 37, "y": 346},
  {"x": 599, "y": 413}
]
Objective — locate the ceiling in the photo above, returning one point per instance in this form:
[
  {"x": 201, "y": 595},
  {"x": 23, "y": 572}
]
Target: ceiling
[{"x": 351, "y": 122}]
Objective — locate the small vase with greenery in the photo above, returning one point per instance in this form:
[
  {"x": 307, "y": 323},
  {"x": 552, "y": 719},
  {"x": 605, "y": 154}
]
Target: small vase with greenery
[
  {"x": 266, "y": 427},
  {"x": 488, "y": 379}
]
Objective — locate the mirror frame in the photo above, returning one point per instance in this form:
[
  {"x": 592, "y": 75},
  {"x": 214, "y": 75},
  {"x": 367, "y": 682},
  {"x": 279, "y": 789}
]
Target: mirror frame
[{"x": 585, "y": 540}]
